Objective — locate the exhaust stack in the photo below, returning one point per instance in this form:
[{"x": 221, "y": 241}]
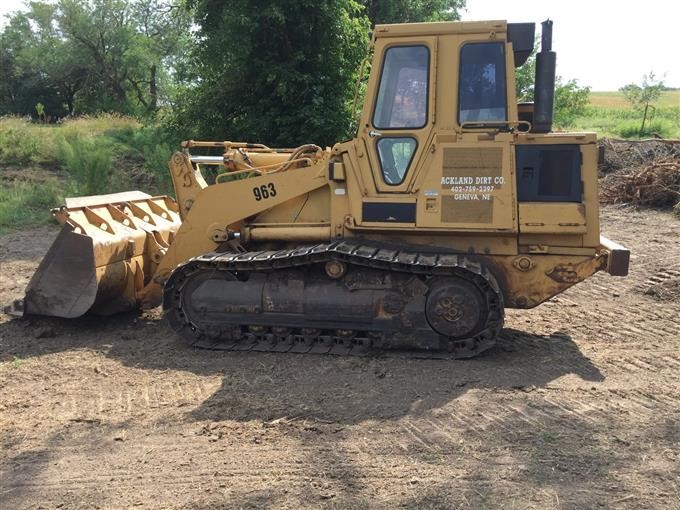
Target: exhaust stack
[{"x": 544, "y": 90}]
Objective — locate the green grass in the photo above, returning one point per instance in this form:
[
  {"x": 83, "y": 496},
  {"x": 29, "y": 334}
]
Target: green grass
[
  {"x": 19, "y": 143},
  {"x": 549, "y": 437},
  {"x": 609, "y": 114},
  {"x": 24, "y": 204},
  {"x": 87, "y": 161},
  {"x": 24, "y": 143},
  {"x": 40, "y": 164}
]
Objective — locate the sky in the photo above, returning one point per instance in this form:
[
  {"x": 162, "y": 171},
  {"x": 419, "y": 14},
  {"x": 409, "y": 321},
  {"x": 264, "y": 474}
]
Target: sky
[{"x": 604, "y": 44}]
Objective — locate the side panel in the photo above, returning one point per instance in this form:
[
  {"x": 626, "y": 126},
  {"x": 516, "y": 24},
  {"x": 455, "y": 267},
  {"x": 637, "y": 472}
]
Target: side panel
[
  {"x": 469, "y": 186},
  {"x": 557, "y": 192},
  {"x": 538, "y": 218}
]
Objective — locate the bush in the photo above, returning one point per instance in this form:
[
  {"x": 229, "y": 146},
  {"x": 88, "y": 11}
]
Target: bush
[
  {"x": 156, "y": 161},
  {"x": 571, "y": 101},
  {"x": 24, "y": 203},
  {"x": 88, "y": 164},
  {"x": 631, "y": 129},
  {"x": 19, "y": 144},
  {"x": 150, "y": 145}
]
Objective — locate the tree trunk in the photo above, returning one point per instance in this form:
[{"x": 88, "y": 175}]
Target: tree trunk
[{"x": 153, "y": 89}]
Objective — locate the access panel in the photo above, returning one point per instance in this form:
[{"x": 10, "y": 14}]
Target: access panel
[{"x": 469, "y": 187}]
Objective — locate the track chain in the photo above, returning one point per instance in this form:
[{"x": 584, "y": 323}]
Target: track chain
[{"x": 246, "y": 337}]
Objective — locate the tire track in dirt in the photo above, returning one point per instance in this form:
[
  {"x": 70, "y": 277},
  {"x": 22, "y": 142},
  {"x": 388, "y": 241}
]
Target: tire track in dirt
[{"x": 577, "y": 407}]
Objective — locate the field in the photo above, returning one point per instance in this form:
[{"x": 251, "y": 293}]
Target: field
[
  {"x": 610, "y": 115},
  {"x": 578, "y": 407},
  {"x": 668, "y": 99}
]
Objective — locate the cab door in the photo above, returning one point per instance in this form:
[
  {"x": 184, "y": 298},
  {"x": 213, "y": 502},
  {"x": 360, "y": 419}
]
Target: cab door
[{"x": 396, "y": 123}]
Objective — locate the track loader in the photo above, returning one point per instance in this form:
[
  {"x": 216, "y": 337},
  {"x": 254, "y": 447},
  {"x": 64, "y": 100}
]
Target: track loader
[{"x": 451, "y": 203}]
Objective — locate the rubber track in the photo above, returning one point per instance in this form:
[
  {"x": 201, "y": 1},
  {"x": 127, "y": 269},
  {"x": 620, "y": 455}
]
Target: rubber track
[{"x": 359, "y": 254}]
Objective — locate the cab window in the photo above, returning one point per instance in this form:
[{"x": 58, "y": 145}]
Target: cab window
[
  {"x": 395, "y": 158},
  {"x": 402, "y": 95},
  {"x": 481, "y": 91}
]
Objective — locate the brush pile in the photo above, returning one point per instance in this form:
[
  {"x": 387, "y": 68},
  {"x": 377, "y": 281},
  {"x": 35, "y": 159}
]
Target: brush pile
[{"x": 641, "y": 173}]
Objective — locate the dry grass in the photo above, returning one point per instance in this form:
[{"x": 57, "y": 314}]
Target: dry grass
[{"x": 615, "y": 99}]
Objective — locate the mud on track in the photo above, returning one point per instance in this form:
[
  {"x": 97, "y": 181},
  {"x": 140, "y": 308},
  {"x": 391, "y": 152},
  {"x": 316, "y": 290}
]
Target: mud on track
[{"x": 578, "y": 407}]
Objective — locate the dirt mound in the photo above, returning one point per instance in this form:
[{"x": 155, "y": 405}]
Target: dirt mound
[{"x": 644, "y": 173}]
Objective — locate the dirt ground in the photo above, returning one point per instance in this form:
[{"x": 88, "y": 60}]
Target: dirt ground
[{"x": 577, "y": 407}]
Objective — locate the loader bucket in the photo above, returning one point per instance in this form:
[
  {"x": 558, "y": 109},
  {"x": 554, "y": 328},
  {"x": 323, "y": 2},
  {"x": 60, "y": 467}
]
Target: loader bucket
[{"x": 107, "y": 250}]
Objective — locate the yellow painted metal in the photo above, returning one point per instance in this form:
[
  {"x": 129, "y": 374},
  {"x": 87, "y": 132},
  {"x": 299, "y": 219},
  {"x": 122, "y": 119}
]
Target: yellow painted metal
[
  {"x": 302, "y": 233},
  {"x": 229, "y": 203},
  {"x": 551, "y": 218},
  {"x": 547, "y": 275},
  {"x": 117, "y": 251},
  {"x": 108, "y": 248}
]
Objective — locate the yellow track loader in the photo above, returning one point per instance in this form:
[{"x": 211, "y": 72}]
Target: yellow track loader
[{"x": 451, "y": 203}]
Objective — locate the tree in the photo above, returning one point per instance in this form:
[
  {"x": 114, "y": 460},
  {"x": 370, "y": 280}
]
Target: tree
[
  {"x": 164, "y": 43},
  {"x": 412, "y": 11},
  {"x": 642, "y": 96},
  {"x": 571, "y": 100},
  {"x": 105, "y": 31},
  {"x": 273, "y": 72},
  {"x": 23, "y": 82},
  {"x": 525, "y": 76},
  {"x": 110, "y": 55}
]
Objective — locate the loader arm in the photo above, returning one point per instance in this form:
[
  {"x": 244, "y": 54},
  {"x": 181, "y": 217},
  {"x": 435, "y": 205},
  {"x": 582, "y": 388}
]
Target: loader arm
[
  {"x": 216, "y": 207},
  {"x": 187, "y": 181}
]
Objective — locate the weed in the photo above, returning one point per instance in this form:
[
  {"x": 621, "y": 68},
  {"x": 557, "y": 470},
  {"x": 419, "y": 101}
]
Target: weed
[
  {"x": 16, "y": 362},
  {"x": 27, "y": 204},
  {"x": 88, "y": 163},
  {"x": 19, "y": 144},
  {"x": 625, "y": 122},
  {"x": 657, "y": 128},
  {"x": 99, "y": 154},
  {"x": 156, "y": 161},
  {"x": 150, "y": 146},
  {"x": 549, "y": 437},
  {"x": 103, "y": 124},
  {"x": 609, "y": 114}
]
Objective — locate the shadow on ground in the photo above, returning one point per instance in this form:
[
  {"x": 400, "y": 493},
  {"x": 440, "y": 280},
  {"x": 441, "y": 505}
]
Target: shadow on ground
[{"x": 265, "y": 386}]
